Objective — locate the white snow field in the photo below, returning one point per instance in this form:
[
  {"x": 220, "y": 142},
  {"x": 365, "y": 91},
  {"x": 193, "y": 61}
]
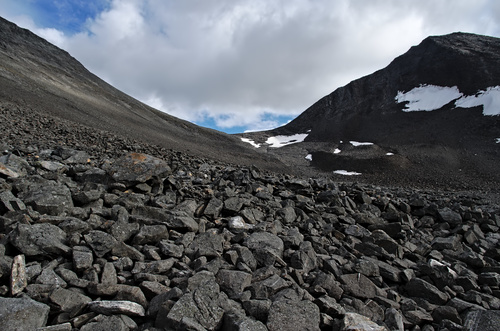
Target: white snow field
[
  {"x": 309, "y": 157},
  {"x": 251, "y": 142},
  {"x": 280, "y": 141},
  {"x": 336, "y": 151},
  {"x": 428, "y": 97},
  {"x": 489, "y": 99},
  {"x": 498, "y": 140},
  {"x": 432, "y": 97},
  {"x": 346, "y": 173}
]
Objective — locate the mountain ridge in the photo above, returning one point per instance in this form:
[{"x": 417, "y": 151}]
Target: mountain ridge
[{"x": 42, "y": 77}]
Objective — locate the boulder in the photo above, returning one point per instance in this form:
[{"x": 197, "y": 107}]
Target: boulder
[
  {"x": 40, "y": 240},
  {"x": 288, "y": 315},
  {"x": 22, "y": 314}
]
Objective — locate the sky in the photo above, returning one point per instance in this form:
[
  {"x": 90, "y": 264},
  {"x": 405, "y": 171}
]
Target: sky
[{"x": 242, "y": 65}]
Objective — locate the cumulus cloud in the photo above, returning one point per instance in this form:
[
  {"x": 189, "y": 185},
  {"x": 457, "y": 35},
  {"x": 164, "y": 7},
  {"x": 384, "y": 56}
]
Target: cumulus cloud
[{"x": 248, "y": 63}]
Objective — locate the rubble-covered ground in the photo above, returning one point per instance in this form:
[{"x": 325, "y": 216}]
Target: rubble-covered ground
[{"x": 98, "y": 232}]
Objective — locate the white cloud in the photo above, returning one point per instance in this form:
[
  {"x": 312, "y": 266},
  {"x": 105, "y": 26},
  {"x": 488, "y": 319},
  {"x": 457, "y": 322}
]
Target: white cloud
[{"x": 235, "y": 61}]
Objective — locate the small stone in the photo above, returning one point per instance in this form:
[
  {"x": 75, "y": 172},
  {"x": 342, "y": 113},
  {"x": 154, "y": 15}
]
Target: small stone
[
  {"x": 82, "y": 258},
  {"x": 18, "y": 279}
]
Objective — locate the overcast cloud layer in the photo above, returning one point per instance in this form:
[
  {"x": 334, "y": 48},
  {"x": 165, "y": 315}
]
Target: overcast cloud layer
[{"x": 244, "y": 64}]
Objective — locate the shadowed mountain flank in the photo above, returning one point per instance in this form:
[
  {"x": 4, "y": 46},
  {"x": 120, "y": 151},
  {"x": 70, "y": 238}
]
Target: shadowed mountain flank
[
  {"x": 433, "y": 110},
  {"x": 43, "y": 78}
]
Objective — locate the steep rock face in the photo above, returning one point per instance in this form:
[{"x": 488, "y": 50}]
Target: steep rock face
[{"x": 40, "y": 77}]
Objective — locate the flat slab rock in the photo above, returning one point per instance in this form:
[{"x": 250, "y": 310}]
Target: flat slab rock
[{"x": 117, "y": 307}]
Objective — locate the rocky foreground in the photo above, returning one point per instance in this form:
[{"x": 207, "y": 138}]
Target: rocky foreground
[{"x": 98, "y": 234}]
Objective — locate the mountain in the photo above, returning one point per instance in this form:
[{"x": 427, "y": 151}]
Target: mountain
[
  {"x": 432, "y": 115},
  {"x": 39, "y": 77}
]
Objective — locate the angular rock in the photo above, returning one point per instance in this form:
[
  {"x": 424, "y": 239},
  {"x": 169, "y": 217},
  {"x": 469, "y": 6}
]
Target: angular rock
[
  {"x": 100, "y": 242},
  {"x": 68, "y": 301},
  {"x": 266, "y": 247},
  {"x": 329, "y": 284},
  {"x": 137, "y": 168},
  {"x": 353, "y": 321},
  {"x": 170, "y": 249},
  {"x": 238, "y": 322},
  {"x": 449, "y": 216},
  {"x": 150, "y": 234},
  {"x": 82, "y": 258},
  {"x": 266, "y": 288},
  {"x": 116, "y": 307},
  {"x": 359, "y": 286},
  {"x": 233, "y": 282},
  {"x": 47, "y": 197},
  {"x": 22, "y": 314},
  {"x": 288, "y": 315},
  {"x": 105, "y": 323},
  {"x": 394, "y": 319},
  {"x": 258, "y": 309},
  {"x": 482, "y": 320},
  {"x": 18, "y": 278},
  {"x": 201, "y": 305},
  {"x": 8, "y": 202},
  {"x": 305, "y": 258},
  {"x": 419, "y": 288},
  {"x": 213, "y": 208},
  {"x": 205, "y": 244},
  {"x": 40, "y": 240}
]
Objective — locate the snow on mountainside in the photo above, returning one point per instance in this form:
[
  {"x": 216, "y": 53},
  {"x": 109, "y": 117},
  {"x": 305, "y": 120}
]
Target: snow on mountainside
[
  {"x": 432, "y": 115},
  {"x": 430, "y": 97}
]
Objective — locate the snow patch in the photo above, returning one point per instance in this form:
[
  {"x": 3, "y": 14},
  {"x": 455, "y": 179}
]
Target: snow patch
[
  {"x": 498, "y": 140},
  {"x": 309, "y": 157},
  {"x": 280, "y": 141},
  {"x": 428, "y": 97},
  {"x": 357, "y": 143},
  {"x": 346, "y": 173},
  {"x": 389, "y": 154},
  {"x": 251, "y": 142},
  {"x": 336, "y": 151},
  {"x": 489, "y": 99}
]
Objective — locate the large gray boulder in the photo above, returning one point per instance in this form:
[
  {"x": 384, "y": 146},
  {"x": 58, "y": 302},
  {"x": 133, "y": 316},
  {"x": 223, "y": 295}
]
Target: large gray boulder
[
  {"x": 47, "y": 197},
  {"x": 288, "y": 315},
  {"x": 40, "y": 240},
  {"x": 22, "y": 314}
]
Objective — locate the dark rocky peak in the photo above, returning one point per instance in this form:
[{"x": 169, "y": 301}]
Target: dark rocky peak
[{"x": 408, "y": 109}]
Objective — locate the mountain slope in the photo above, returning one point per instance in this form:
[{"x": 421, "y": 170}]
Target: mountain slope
[
  {"x": 39, "y": 76},
  {"x": 427, "y": 145}
]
